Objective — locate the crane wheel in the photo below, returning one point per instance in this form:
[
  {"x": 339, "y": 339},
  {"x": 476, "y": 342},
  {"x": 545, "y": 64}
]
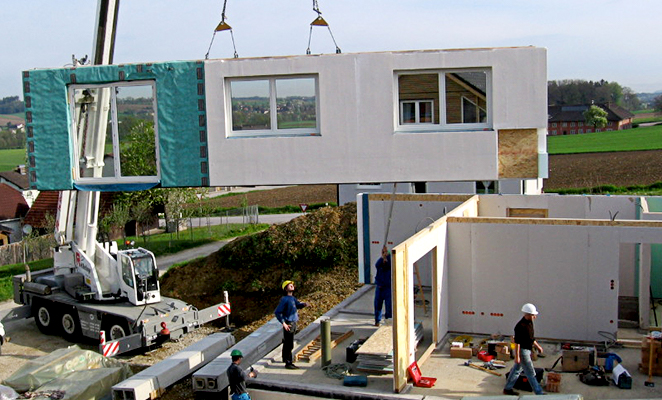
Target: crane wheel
[
  {"x": 116, "y": 329},
  {"x": 70, "y": 325},
  {"x": 44, "y": 317}
]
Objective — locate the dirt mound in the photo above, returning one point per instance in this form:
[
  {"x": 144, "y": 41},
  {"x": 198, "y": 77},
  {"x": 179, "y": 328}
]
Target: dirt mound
[{"x": 317, "y": 250}]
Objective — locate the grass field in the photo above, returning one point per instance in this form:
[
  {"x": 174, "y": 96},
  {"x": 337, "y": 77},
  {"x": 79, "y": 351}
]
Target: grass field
[
  {"x": 159, "y": 244},
  {"x": 643, "y": 138},
  {"x": 7, "y": 271},
  {"x": 9, "y": 159}
]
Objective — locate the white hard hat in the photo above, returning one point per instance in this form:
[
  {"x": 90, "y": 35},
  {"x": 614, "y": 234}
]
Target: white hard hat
[{"x": 529, "y": 308}]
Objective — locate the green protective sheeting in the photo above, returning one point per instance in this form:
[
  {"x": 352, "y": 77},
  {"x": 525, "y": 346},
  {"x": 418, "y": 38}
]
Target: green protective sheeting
[
  {"x": 181, "y": 120},
  {"x": 655, "y": 205},
  {"x": 47, "y": 372}
]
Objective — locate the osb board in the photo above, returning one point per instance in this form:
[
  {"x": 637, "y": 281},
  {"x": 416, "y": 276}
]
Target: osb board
[
  {"x": 419, "y": 197},
  {"x": 518, "y": 153},
  {"x": 381, "y": 342},
  {"x": 527, "y": 212},
  {"x": 573, "y": 222}
]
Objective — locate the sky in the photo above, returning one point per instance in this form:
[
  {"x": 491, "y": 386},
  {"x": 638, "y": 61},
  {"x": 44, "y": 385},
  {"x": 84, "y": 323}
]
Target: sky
[{"x": 614, "y": 40}]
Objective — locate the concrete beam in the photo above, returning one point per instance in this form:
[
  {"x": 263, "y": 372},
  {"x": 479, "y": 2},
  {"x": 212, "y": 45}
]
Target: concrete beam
[{"x": 151, "y": 382}]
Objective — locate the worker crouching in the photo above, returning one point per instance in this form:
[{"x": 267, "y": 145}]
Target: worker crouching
[{"x": 237, "y": 377}]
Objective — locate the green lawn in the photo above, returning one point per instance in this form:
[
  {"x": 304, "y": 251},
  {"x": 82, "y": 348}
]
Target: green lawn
[
  {"x": 644, "y": 120},
  {"x": 159, "y": 244},
  {"x": 166, "y": 243},
  {"x": 8, "y": 271},
  {"x": 644, "y": 138},
  {"x": 9, "y": 159}
]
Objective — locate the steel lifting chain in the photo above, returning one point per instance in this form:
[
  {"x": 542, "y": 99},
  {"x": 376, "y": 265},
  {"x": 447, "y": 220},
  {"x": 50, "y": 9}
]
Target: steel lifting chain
[
  {"x": 319, "y": 21},
  {"x": 222, "y": 26}
]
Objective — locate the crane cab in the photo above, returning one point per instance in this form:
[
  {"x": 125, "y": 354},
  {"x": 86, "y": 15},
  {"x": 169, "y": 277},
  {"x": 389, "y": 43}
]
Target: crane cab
[{"x": 140, "y": 276}]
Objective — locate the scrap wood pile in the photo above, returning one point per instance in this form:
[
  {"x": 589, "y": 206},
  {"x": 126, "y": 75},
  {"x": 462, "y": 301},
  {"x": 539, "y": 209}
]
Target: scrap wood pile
[{"x": 318, "y": 251}]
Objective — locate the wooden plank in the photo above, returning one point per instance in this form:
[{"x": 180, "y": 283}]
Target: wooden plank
[{"x": 313, "y": 350}]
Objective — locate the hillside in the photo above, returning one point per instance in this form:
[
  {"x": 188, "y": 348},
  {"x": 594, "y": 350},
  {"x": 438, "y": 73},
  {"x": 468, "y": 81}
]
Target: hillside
[{"x": 317, "y": 250}]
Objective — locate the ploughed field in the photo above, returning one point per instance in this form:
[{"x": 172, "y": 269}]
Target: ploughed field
[{"x": 594, "y": 169}]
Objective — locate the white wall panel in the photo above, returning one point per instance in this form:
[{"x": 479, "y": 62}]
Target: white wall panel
[
  {"x": 603, "y": 254},
  {"x": 460, "y": 278},
  {"x": 357, "y": 113},
  {"x": 558, "y": 280},
  {"x": 500, "y": 279}
]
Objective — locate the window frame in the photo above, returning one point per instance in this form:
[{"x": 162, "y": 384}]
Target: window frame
[
  {"x": 274, "y": 131},
  {"x": 442, "y": 125},
  {"x": 417, "y": 111},
  {"x": 112, "y": 118}
]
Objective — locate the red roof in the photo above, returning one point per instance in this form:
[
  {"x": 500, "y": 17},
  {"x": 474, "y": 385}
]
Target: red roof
[
  {"x": 46, "y": 203},
  {"x": 12, "y": 203}
]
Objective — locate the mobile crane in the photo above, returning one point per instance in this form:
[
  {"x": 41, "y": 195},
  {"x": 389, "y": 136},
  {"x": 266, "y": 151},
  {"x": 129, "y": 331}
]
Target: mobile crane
[{"x": 94, "y": 289}]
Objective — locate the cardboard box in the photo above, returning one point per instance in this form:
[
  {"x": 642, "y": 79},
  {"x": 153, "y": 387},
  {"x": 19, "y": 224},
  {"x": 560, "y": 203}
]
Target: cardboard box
[
  {"x": 575, "y": 360},
  {"x": 553, "y": 382},
  {"x": 461, "y": 352}
]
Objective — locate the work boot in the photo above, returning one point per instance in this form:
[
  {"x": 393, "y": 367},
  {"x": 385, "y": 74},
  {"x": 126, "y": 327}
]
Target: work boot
[
  {"x": 510, "y": 392},
  {"x": 291, "y": 366}
]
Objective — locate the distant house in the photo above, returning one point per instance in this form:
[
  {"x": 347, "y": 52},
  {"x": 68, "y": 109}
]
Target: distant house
[
  {"x": 18, "y": 180},
  {"x": 13, "y": 208},
  {"x": 569, "y": 120}
]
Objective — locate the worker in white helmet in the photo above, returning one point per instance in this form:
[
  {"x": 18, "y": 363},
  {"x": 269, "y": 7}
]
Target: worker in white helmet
[
  {"x": 525, "y": 341},
  {"x": 2, "y": 336}
]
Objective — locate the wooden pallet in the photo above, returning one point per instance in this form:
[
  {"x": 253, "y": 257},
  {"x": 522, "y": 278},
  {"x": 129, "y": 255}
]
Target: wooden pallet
[{"x": 313, "y": 350}]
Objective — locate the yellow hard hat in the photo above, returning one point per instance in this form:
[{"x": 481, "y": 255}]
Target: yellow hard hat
[{"x": 285, "y": 283}]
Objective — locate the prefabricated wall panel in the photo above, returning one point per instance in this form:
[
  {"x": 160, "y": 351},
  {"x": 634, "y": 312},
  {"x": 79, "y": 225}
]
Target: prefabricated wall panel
[
  {"x": 580, "y": 207},
  {"x": 405, "y": 221},
  {"x": 489, "y": 265},
  {"x": 357, "y": 138}
]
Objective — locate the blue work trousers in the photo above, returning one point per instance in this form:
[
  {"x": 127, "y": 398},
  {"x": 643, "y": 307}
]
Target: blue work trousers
[
  {"x": 525, "y": 365},
  {"x": 382, "y": 298}
]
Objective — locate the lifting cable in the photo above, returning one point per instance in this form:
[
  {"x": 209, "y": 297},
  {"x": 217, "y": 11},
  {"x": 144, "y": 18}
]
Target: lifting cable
[
  {"x": 319, "y": 21},
  {"x": 222, "y": 26},
  {"x": 390, "y": 213}
]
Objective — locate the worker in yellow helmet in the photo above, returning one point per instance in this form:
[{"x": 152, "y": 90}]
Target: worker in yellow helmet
[{"x": 287, "y": 315}]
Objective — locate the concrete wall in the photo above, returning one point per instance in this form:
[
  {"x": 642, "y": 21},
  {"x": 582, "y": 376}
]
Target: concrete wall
[{"x": 359, "y": 140}]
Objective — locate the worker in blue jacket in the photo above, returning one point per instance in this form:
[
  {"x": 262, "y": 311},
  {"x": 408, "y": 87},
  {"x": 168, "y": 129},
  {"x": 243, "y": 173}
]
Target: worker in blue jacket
[
  {"x": 383, "y": 286},
  {"x": 287, "y": 315}
]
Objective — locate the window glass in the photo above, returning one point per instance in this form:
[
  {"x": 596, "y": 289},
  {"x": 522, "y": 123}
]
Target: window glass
[
  {"x": 250, "y": 105},
  {"x": 91, "y": 104},
  {"x": 419, "y": 97},
  {"x": 135, "y": 130},
  {"x": 444, "y": 98},
  {"x": 295, "y": 103},
  {"x": 408, "y": 112},
  {"x": 466, "y": 89},
  {"x": 274, "y": 106},
  {"x": 127, "y": 271}
]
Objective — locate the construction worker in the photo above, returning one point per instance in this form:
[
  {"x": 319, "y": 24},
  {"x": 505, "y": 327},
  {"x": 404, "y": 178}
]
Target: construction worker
[
  {"x": 2, "y": 336},
  {"x": 525, "y": 341},
  {"x": 237, "y": 377},
  {"x": 383, "y": 286},
  {"x": 287, "y": 315}
]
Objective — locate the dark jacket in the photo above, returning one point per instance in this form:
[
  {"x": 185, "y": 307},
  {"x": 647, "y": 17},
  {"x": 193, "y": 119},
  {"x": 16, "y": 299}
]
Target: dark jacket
[
  {"x": 383, "y": 276},
  {"x": 287, "y": 309}
]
